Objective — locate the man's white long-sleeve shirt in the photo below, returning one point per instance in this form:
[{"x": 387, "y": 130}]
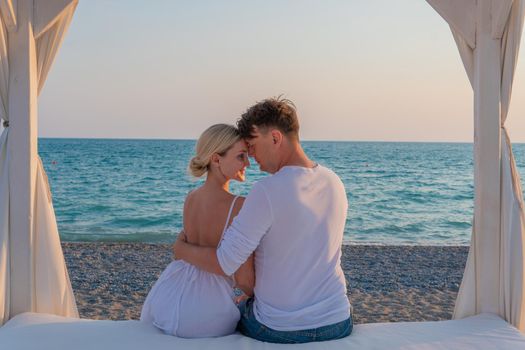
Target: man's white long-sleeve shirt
[{"x": 294, "y": 221}]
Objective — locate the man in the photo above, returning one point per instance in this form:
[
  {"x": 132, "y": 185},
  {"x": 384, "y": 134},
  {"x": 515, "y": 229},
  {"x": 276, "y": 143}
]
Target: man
[{"x": 294, "y": 221}]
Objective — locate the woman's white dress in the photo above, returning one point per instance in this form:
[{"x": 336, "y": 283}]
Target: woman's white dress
[{"x": 190, "y": 303}]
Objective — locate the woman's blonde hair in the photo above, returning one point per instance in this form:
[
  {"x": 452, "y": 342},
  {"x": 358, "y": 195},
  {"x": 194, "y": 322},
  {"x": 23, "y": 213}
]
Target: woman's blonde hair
[{"x": 218, "y": 138}]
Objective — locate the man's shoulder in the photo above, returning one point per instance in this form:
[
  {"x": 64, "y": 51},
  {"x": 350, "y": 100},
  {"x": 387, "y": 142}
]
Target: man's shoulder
[
  {"x": 269, "y": 183},
  {"x": 271, "y": 179},
  {"x": 294, "y": 174},
  {"x": 329, "y": 172}
]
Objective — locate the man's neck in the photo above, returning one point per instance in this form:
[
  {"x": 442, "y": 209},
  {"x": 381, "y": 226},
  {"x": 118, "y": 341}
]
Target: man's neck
[{"x": 297, "y": 157}]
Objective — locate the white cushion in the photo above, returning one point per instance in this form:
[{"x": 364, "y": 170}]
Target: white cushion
[{"x": 43, "y": 332}]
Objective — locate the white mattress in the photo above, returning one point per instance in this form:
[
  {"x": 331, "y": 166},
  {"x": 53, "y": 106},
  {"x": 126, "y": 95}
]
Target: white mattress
[{"x": 43, "y": 332}]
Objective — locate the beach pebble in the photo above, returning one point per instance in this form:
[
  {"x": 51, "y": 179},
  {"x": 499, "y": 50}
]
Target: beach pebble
[{"x": 385, "y": 283}]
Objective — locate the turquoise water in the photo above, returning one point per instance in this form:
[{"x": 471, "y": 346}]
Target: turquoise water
[{"x": 134, "y": 190}]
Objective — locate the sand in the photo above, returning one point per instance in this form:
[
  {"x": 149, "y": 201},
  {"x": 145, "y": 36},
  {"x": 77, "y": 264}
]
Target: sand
[{"x": 385, "y": 283}]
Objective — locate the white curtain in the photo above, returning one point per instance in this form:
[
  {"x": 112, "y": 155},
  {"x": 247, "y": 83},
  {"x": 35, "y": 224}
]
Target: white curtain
[
  {"x": 509, "y": 255},
  {"x": 4, "y": 230},
  {"x": 4, "y": 181},
  {"x": 512, "y": 263},
  {"x": 49, "y": 42},
  {"x": 52, "y": 291}
]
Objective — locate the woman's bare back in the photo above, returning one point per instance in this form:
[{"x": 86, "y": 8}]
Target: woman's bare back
[{"x": 205, "y": 214}]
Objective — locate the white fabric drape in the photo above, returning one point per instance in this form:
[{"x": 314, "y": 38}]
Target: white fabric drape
[
  {"x": 509, "y": 255},
  {"x": 49, "y": 42},
  {"x": 52, "y": 291},
  {"x": 512, "y": 263},
  {"x": 4, "y": 72},
  {"x": 4, "y": 230},
  {"x": 4, "y": 181}
]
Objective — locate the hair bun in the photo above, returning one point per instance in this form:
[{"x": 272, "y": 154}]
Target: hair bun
[{"x": 197, "y": 167}]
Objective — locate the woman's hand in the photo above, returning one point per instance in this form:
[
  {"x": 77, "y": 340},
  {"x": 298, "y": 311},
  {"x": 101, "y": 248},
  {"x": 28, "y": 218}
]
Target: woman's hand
[{"x": 181, "y": 239}]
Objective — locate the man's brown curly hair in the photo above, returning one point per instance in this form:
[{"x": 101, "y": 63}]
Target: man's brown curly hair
[{"x": 273, "y": 112}]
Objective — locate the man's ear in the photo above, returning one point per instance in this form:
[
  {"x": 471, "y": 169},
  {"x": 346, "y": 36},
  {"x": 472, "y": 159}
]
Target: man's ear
[{"x": 277, "y": 137}]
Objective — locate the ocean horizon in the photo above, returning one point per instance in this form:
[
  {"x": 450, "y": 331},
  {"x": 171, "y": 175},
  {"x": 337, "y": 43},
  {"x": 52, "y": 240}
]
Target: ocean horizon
[{"x": 133, "y": 190}]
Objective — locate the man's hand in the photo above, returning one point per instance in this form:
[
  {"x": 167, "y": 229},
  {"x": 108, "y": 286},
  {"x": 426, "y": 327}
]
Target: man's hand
[
  {"x": 181, "y": 239},
  {"x": 205, "y": 258},
  {"x": 239, "y": 296}
]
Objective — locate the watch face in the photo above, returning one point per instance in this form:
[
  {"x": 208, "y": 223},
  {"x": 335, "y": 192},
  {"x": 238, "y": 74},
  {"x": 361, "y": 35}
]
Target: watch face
[{"x": 237, "y": 292}]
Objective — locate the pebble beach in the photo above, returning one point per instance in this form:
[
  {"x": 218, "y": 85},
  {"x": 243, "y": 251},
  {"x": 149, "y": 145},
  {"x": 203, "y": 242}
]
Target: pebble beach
[{"x": 385, "y": 283}]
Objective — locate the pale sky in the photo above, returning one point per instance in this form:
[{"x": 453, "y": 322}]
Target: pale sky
[{"x": 376, "y": 70}]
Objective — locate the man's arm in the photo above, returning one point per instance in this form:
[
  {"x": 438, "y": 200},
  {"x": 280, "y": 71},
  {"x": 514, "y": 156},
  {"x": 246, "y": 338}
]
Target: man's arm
[
  {"x": 239, "y": 240},
  {"x": 205, "y": 258}
]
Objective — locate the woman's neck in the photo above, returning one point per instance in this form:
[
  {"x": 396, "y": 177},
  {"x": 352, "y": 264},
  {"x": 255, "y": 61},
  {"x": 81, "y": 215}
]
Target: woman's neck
[{"x": 214, "y": 182}]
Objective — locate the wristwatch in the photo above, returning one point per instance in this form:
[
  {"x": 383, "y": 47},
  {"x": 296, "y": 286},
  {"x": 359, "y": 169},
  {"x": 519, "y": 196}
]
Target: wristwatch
[
  {"x": 237, "y": 292},
  {"x": 239, "y": 296}
]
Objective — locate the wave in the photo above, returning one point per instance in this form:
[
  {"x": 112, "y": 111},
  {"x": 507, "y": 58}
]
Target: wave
[{"x": 134, "y": 189}]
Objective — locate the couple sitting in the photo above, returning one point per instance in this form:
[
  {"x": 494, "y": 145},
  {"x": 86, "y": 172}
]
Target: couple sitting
[{"x": 273, "y": 272}]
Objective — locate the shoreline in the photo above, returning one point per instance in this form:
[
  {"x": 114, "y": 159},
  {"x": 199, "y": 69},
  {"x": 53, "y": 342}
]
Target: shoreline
[
  {"x": 385, "y": 283},
  {"x": 344, "y": 243}
]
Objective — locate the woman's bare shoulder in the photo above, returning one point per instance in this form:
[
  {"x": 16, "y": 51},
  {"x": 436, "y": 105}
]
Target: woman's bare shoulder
[
  {"x": 192, "y": 194},
  {"x": 191, "y": 199},
  {"x": 190, "y": 212}
]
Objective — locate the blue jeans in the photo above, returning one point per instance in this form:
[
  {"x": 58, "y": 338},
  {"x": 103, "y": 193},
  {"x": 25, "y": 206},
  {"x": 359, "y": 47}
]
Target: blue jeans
[{"x": 249, "y": 326}]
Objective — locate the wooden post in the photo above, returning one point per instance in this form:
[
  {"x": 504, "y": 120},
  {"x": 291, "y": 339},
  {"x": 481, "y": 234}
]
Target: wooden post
[
  {"x": 22, "y": 151},
  {"x": 487, "y": 162}
]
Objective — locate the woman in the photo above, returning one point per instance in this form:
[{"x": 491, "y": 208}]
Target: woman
[{"x": 185, "y": 301}]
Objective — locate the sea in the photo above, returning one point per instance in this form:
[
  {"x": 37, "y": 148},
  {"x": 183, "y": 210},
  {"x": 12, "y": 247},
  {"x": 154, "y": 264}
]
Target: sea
[{"x": 399, "y": 193}]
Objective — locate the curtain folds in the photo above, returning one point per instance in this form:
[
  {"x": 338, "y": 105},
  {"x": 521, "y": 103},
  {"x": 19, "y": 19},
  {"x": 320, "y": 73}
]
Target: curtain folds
[
  {"x": 54, "y": 294},
  {"x": 4, "y": 181},
  {"x": 512, "y": 247},
  {"x": 510, "y": 253},
  {"x": 49, "y": 42},
  {"x": 52, "y": 291},
  {"x": 5, "y": 287},
  {"x": 4, "y": 72},
  {"x": 467, "y": 55}
]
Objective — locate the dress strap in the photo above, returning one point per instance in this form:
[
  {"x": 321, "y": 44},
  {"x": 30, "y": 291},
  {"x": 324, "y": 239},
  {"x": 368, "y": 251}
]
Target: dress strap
[{"x": 229, "y": 215}]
